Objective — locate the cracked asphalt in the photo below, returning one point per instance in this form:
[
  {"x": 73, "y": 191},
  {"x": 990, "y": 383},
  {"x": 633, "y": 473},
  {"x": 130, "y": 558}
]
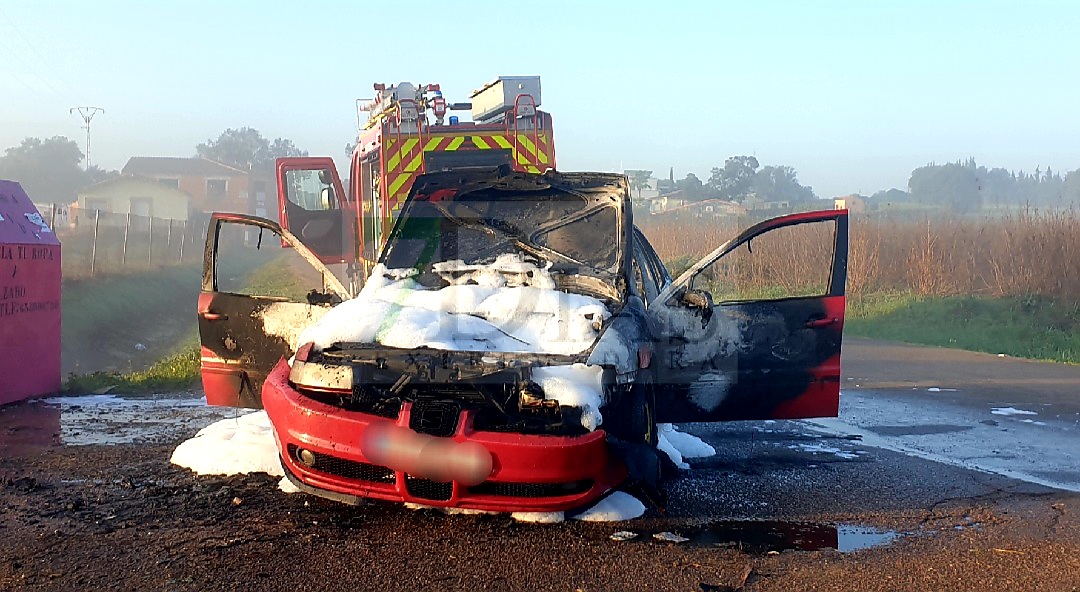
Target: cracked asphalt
[{"x": 896, "y": 494}]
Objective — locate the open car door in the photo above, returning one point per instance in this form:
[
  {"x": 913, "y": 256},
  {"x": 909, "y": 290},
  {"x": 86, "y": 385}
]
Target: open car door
[
  {"x": 314, "y": 207},
  {"x": 256, "y": 298},
  {"x": 753, "y": 330}
]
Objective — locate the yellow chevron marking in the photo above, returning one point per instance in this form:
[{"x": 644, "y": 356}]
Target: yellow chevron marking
[
  {"x": 541, "y": 149},
  {"x": 455, "y": 143},
  {"x": 398, "y": 182},
  {"x": 406, "y": 148},
  {"x": 432, "y": 144},
  {"x": 480, "y": 143},
  {"x": 414, "y": 163},
  {"x": 392, "y": 163},
  {"x": 527, "y": 143},
  {"x": 502, "y": 142}
]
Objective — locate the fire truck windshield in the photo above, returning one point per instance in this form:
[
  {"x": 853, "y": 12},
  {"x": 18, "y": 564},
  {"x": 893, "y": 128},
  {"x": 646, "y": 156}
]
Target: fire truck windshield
[{"x": 311, "y": 189}]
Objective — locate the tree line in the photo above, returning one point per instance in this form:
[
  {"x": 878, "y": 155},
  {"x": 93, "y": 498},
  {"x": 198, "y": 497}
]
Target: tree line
[
  {"x": 741, "y": 178},
  {"x": 965, "y": 186},
  {"x": 51, "y": 170}
]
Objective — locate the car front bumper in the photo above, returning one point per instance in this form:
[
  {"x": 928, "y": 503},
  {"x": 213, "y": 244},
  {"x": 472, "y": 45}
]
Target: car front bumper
[{"x": 321, "y": 448}]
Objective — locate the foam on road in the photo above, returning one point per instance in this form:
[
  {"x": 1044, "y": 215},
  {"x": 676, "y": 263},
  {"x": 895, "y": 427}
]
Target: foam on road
[{"x": 998, "y": 440}]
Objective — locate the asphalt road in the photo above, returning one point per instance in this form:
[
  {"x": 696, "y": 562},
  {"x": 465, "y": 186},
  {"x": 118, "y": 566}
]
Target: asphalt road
[
  {"x": 1009, "y": 416},
  {"x": 910, "y": 489},
  {"x": 978, "y": 378}
]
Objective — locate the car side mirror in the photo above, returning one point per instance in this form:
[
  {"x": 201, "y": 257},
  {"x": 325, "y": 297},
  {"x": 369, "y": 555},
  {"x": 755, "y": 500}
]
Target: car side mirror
[
  {"x": 327, "y": 201},
  {"x": 699, "y": 299}
]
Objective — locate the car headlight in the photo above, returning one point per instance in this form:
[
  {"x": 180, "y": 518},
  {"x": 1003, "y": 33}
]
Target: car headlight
[{"x": 322, "y": 377}]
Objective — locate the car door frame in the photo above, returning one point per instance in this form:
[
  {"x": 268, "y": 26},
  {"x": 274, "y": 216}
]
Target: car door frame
[
  {"x": 237, "y": 350},
  {"x": 654, "y": 274},
  {"x": 343, "y": 220},
  {"x": 774, "y": 358}
]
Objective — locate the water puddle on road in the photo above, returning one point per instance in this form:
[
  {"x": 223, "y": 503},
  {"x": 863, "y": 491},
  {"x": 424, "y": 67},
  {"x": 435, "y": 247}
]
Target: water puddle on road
[
  {"x": 764, "y": 536},
  {"x": 105, "y": 419}
]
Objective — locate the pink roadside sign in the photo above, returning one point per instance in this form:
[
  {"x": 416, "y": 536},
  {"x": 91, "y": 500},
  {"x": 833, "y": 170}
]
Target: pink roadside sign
[{"x": 29, "y": 299}]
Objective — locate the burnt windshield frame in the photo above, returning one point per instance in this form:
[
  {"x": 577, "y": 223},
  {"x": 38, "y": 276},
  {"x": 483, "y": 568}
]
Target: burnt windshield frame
[{"x": 430, "y": 230}]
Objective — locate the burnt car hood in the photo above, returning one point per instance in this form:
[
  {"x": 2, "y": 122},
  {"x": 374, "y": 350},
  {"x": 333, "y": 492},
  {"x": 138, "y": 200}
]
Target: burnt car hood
[{"x": 577, "y": 224}]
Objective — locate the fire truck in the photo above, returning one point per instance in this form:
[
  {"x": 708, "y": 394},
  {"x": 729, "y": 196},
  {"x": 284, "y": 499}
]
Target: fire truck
[{"x": 410, "y": 130}]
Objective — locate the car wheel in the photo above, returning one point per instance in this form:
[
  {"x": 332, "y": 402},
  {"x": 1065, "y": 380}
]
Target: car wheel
[
  {"x": 631, "y": 418},
  {"x": 631, "y": 423}
]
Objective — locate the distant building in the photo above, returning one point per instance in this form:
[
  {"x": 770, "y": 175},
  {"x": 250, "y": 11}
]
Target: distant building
[
  {"x": 138, "y": 196},
  {"x": 707, "y": 208},
  {"x": 212, "y": 186},
  {"x": 677, "y": 202},
  {"x": 719, "y": 208},
  {"x": 650, "y": 191},
  {"x": 669, "y": 201},
  {"x": 854, "y": 203},
  {"x": 755, "y": 203}
]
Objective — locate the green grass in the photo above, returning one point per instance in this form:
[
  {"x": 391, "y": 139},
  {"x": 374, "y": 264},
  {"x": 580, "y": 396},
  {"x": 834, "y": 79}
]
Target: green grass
[
  {"x": 1024, "y": 327},
  {"x": 1028, "y": 327},
  {"x": 176, "y": 372},
  {"x": 132, "y": 303},
  {"x": 101, "y": 302},
  {"x": 90, "y": 305},
  {"x": 280, "y": 277}
]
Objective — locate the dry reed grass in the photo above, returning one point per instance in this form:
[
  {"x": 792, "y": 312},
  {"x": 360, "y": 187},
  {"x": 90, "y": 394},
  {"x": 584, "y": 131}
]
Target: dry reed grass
[{"x": 1020, "y": 254}]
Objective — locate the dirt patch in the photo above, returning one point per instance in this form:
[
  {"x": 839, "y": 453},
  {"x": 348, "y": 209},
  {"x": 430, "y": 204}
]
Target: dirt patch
[
  {"x": 101, "y": 517},
  {"x": 121, "y": 517}
]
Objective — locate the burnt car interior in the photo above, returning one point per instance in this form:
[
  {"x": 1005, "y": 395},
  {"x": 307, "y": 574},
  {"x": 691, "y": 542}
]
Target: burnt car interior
[{"x": 574, "y": 229}]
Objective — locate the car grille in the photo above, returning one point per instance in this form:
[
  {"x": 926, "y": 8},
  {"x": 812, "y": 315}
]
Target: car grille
[
  {"x": 349, "y": 469},
  {"x": 428, "y": 489},
  {"x": 435, "y": 418},
  {"x": 375, "y": 401},
  {"x": 532, "y": 489},
  {"x": 363, "y": 400}
]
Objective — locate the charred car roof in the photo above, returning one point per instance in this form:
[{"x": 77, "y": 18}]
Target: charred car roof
[{"x": 579, "y": 223}]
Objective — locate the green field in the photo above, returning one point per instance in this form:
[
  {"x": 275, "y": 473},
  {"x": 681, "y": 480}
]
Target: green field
[{"x": 1028, "y": 327}]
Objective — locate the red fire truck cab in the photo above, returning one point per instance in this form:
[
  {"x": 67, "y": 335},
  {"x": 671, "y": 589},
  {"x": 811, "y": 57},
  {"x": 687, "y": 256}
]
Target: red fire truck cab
[{"x": 410, "y": 130}]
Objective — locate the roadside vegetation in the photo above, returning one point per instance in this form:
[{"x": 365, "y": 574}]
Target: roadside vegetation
[
  {"x": 1006, "y": 284},
  {"x": 997, "y": 285},
  {"x": 93, "y": 305},
  {"x": 176, "y": 372},
  {"x": 1023, "y": 327},
  {"x": 154, "y": 305}
]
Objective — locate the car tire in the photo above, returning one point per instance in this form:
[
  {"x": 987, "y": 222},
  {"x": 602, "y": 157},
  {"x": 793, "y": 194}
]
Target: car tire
[
  {"x": 631, "y": 418},
  {"x": 631, "y": 423}
]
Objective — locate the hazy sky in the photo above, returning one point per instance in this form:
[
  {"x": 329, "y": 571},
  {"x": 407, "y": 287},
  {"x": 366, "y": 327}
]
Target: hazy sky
[{"x": 852, "y": 94}]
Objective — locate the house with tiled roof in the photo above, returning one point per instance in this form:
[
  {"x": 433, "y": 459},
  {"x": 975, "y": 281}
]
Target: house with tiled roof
[
  {"x": 136, "y": 195},
  {"x": 213, "y": 186}
]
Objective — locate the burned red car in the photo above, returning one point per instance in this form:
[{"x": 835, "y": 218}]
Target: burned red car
[{"x": 517, "y": 342}]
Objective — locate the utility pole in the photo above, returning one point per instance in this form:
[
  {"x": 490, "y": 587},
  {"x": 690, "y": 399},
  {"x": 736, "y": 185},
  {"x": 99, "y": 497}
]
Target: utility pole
[{"x": 87, "y": 113}]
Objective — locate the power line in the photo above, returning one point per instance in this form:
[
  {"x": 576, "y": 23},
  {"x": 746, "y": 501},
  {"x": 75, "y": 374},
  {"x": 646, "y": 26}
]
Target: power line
[
  {"x": 87, "y": 113},
  {"x": 34, "y": 71}
]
